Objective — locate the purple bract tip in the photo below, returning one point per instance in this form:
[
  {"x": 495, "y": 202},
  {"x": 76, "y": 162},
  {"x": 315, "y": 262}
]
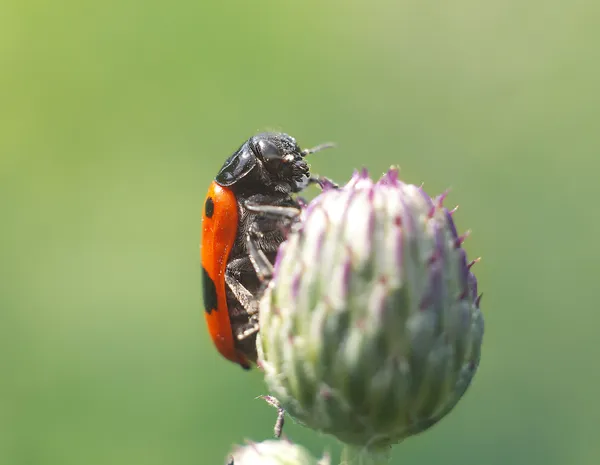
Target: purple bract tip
[
  {"x": 390, "y": 178},
  {"x": 463, "y": 272},
  {"x": 425, "y": 196},
  {"x": 354, "y": 179},
  {"x": 478, "y": 300},
  {"x": 472, "y": 262},
  {"x": 326, "y": 184},
  {"x": 431, "y": 212},
  {"x": 451, "y": 225},
  {"x": 459, "y": 240},
  {"x": 440, "y": 199},
  {"x": 364, "y": 173}
]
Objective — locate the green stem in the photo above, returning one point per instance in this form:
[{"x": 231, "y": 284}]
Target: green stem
[{"x": 354, "y": 455}]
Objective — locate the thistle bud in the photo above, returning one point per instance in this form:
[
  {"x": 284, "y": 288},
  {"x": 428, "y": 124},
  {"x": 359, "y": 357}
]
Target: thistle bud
[
  {"x": 272, "y": 452},
  {"x": 371, "y": 328}
]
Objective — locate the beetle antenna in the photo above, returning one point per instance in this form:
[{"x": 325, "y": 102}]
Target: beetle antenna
[{"x": 318, "y": 148}]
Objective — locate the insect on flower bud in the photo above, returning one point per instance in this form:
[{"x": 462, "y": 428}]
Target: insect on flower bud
[
  {"x": 281, "y": 452},
  {"x": 371, "y": 328}
]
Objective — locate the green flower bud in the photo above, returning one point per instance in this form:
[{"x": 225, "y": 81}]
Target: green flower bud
[
  {"x": 273, "y": 452},
  {"x": 371, "y": 329}
]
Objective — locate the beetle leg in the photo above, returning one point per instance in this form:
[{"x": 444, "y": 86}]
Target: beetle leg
[
  {"x": 274, "y": 210},
  {"x": 323, "y": 182},
  {"x": 243, "y": 295},
  {"x": 318, "y": 148},
  {"x": 278, "y": 428},
  {"x": 250, "y": 305},
  {"x": 260, "y": 262},
  {"x": 248, "y": 329}
]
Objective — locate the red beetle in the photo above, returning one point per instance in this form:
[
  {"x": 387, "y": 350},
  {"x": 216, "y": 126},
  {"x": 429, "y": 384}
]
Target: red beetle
[{"x": 247, "y": 209}]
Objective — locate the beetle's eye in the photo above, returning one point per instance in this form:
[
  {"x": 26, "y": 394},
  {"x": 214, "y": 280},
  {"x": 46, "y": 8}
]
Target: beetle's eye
[{"x": 268, "y": 150}]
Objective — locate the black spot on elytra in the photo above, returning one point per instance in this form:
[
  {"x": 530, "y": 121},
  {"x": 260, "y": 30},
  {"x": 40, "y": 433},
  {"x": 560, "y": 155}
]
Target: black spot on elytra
[
  {"x": 209, "y": 207},
  {"x": 209, "y": 293}
]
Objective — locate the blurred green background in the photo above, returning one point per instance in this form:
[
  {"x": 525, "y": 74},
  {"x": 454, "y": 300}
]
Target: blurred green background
[{"x": 115, "y": 116}]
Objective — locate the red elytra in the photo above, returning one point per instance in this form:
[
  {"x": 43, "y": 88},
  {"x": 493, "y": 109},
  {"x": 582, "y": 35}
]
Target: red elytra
[{"x": 219, "y": 231}]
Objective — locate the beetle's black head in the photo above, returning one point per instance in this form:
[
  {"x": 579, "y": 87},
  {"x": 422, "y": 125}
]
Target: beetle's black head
[
  {"x": 273, "y": 160},
  {"x": 282, "y": 159}
]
